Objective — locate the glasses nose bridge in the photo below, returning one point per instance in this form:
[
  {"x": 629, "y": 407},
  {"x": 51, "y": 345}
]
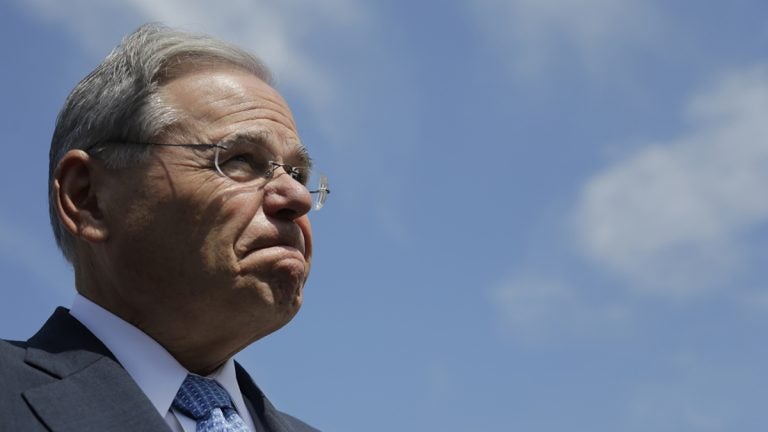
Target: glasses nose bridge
[
  {"x": 289, "y": 170},
  {"x": 273, "y": 167}
]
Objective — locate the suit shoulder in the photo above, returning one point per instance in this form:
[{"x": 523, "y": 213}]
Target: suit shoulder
[
  {"x": 11, "y": 353},
  {"x": 16, "y": 377},
  {"x": 15, "y": 374}
]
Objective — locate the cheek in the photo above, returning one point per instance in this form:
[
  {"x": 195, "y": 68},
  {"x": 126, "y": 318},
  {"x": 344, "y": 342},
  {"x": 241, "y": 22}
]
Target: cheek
[{"x": 223, "y": 222}]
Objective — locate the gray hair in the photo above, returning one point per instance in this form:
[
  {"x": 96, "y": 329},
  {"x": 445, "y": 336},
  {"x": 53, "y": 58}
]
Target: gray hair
[{"x": 119, "y": 102}]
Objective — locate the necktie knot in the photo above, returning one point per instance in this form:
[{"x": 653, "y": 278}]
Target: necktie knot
[{"x": 199, "y": 396}]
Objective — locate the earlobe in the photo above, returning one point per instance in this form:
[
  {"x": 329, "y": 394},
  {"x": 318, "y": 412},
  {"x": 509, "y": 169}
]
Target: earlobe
[{"x": 75, "y": 190}]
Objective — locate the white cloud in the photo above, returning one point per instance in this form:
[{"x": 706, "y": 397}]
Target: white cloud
[
  {"x": 671, "y": 218},
  {"x": 540, "y": 33}
]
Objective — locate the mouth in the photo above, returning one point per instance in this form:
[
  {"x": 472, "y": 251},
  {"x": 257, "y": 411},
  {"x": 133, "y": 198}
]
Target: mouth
[
  {"x": 282, "y": 246},
  {"x": 274, "y": 249},
  {"x": 278, "y": 262},
  {"x": 276, "y": 242}
]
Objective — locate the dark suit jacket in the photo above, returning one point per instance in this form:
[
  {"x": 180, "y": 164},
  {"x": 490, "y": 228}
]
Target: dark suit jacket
[{"x": 64, "y": 379}]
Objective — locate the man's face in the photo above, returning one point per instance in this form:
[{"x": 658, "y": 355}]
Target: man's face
[{"x": 199, "y": 258}]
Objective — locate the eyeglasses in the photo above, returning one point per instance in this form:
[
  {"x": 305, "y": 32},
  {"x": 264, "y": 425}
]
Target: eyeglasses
[{"x": 244, "y": 162}]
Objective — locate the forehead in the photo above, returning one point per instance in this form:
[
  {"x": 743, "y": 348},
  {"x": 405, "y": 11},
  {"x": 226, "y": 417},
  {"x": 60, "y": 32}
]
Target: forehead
[{"x": 219, "y": 103}]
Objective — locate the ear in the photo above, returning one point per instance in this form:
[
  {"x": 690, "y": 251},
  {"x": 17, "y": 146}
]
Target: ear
[{"x": 75, "y": 190}]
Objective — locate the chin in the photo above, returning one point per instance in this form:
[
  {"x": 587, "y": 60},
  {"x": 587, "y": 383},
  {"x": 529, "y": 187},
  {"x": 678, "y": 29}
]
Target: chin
[
  {"x": 282, "y": 316},
  {"x": 287, "y": 298}
]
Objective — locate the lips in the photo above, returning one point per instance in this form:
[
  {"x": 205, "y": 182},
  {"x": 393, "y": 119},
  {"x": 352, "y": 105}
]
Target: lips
[{"x": 292, "y": 238}]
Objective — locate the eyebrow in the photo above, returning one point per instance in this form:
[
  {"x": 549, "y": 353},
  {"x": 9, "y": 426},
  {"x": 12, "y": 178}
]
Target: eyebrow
[{"x": 266, "y": 140}]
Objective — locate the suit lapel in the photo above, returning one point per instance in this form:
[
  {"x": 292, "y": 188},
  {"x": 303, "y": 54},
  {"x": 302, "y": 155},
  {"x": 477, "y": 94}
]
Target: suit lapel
[
  {"x": 101, "y": 397},
  {"x": 264, "y": 414},
  {"x": 92, "y": 392}
]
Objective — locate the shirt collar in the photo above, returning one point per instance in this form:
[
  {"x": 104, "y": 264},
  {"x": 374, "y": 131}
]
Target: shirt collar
[{"x": 154, "y": 369}]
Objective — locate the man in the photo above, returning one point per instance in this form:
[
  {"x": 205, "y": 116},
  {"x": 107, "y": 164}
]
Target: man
[{"x": 179, "y": 192}]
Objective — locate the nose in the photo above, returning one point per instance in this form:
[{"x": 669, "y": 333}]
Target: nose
[{"x": 285, "y": 197}]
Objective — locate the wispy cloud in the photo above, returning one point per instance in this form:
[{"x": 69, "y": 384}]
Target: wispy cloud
[
  {"x": 538, "y": 308},
  {"x": 673, "y": 217},
  {"x": 672, "y": 220},
  {"x": 275, "y": 31},
  {"x": 668, "y": 407},
  {"x": 694, "y": 392},
  {"x": 590, "y": 33}
]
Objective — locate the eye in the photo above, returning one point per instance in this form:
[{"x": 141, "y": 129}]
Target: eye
[
  {"x": 244, "y": 166},
  {"x": 244, "y": 158}
]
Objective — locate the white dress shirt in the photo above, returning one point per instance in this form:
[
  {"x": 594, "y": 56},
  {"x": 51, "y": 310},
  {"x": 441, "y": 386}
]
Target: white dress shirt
[{"x": 154, "y": 369}]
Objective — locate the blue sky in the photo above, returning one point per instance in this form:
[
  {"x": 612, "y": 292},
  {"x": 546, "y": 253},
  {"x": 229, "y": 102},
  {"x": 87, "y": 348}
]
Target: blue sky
[{"x": 546, "y": 214}]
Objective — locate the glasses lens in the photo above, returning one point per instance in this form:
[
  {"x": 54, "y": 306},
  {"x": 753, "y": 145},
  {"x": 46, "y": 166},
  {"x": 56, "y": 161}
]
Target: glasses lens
[
  {"x": 242, "y": 161},
  {"x": 319, "y": 188}
]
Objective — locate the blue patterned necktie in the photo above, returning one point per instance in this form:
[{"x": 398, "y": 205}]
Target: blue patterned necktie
[{"x": 207, "y": 402}]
